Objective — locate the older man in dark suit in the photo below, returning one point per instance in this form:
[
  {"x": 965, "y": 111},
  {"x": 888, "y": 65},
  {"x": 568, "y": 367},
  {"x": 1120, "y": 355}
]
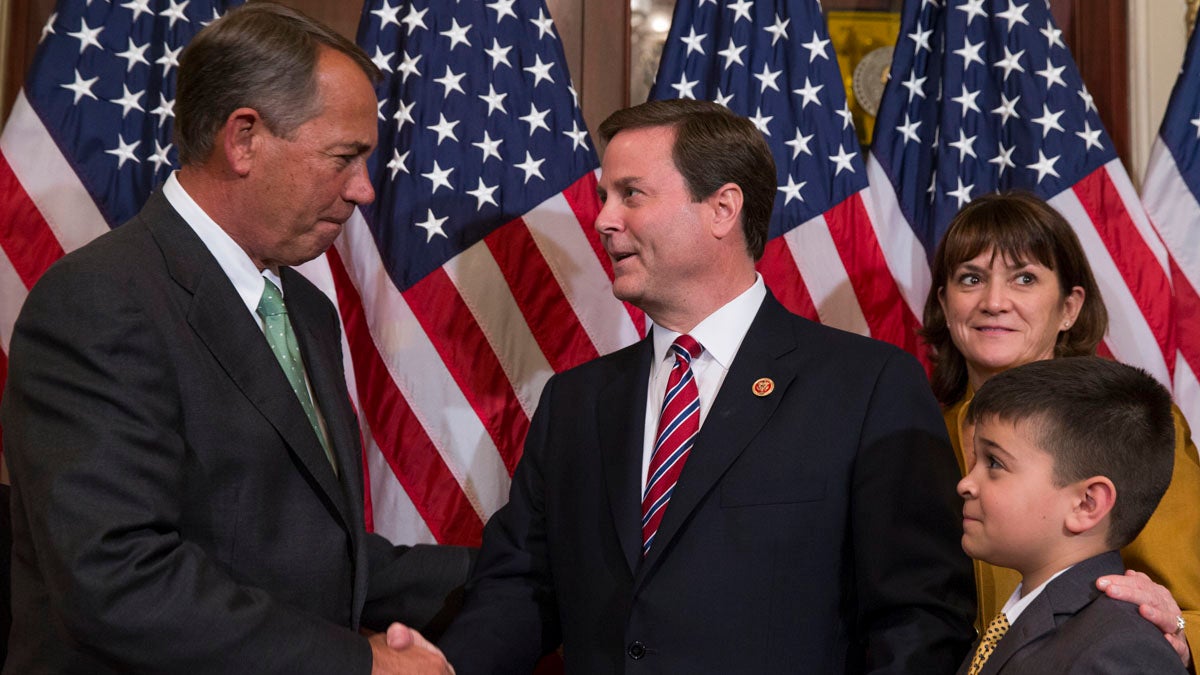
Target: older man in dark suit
[
  {"x": 186, "y": 468},
  {"x": 743, "y": 491}
]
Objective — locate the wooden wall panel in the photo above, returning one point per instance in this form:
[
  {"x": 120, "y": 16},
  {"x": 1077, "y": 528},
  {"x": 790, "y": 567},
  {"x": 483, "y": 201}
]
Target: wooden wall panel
[
  {"x": 27, "y": 18},
  {"x": 341, "y": 16},
  {"x": 605, "y": 59}
]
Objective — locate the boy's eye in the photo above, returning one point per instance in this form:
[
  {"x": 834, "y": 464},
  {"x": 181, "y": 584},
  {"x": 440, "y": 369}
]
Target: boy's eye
[{"x": 991, "y": 462}]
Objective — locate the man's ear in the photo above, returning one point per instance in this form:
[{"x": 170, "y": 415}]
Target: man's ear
[
  {"x": 240, "y": 139},
  {"x": 726, "y": 205},
  {"x": 1093, "y": 499}
]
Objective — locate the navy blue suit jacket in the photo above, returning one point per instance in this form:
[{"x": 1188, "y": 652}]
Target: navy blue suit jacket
[{"x": 812, "y": 530}]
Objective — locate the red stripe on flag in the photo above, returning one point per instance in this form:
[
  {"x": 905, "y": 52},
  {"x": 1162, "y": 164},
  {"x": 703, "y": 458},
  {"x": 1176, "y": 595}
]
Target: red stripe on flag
[
  {"x": 434, "y": 491},
  {"x": 24, "y": 235},
  {"x": 883, "y": 306},
  {"x": 1139, "y": 269},
  {"x": 1187, "y": 318},
  {"x": 464, "y": 349},
  {"x": 781, "y": 275},
  {"x": 583, "y": 200},
  {"x": 549, "y": 315},
  {"x": 368, "y": 505}
]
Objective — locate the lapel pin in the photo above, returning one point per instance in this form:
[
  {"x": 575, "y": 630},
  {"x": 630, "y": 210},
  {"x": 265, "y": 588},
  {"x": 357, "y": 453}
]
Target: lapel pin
[{"x": 763, "y": 386}]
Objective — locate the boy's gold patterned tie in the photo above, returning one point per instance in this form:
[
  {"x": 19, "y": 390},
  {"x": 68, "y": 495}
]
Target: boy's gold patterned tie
[{"x": 995, "y": 630}]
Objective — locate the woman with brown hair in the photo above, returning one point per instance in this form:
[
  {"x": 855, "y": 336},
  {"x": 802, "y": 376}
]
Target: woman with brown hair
[{"x": 1011, "y": 285}]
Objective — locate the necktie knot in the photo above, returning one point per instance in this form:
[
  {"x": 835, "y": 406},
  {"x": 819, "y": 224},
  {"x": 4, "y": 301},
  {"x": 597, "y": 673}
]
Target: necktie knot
[
  {"x": 992, "y": 635},
  {"x": 686, "y": 348},
  {"x": 271, "y": 303}
]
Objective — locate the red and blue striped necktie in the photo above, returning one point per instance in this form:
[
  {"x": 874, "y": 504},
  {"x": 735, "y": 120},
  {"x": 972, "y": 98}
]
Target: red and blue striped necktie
[{"x": 677, "y": 428}]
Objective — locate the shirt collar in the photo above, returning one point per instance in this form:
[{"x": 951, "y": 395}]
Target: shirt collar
[
  {"x": 720, "y": 333},
  {"x": 237, "y": 265},
  {"x": 1016, "y": 604}
]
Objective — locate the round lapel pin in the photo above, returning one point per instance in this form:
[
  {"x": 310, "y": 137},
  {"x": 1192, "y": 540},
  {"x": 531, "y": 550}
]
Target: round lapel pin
[{"x": 763, "y": 386}]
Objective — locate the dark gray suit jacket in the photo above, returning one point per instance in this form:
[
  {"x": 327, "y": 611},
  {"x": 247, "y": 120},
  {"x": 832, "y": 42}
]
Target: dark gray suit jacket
[
  {"x": 173, "y": 510},
  {"x": 1071, "y": 627},
  {"x": 813, "y": 530}
]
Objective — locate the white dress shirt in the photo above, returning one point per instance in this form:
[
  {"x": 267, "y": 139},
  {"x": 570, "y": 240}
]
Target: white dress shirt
[
  {"x": 235, "y": 262},
  {"x": 720, "y": 334},
  {"x": 241, "y": 270},
  {"x": 1017, "y": 604}
]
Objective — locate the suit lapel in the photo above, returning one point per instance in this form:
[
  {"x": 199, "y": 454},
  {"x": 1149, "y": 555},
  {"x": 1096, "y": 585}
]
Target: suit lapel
[
  {"x": 1033, "y": 623},
  {"x": 237, "y": 344},
  {"x": 736, "y": 417},
  {"x": 620, "y": 418},
  {"x": 1062, "y": 598},
  {"x": 321, "y": 351}
]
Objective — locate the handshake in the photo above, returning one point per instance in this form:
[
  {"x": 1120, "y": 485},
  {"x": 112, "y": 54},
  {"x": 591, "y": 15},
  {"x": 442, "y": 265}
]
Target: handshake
[{"x": 401, "y": 649}]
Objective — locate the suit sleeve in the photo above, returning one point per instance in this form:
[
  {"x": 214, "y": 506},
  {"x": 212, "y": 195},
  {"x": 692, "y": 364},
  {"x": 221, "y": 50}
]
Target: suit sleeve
[
  {"x": 421, "y": 585},
  {"x": 915, "y": 594},
  {"x": 510, "y": 617},
  {"x": 92, "y": 422}
]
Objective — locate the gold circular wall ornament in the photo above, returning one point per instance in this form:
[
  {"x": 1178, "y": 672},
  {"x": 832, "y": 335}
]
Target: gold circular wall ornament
[{"x": 870, "y": 76}]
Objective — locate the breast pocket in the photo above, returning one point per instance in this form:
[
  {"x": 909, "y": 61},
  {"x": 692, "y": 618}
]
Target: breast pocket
[{"x": 745, "y": 488}]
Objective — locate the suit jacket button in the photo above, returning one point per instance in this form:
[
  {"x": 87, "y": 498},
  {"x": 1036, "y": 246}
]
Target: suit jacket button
[{"x": 636, "y": 650}]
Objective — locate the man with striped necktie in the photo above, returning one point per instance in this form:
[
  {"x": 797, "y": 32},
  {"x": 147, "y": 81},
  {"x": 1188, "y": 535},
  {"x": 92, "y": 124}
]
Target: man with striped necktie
[{"x": 743, "y": 490}]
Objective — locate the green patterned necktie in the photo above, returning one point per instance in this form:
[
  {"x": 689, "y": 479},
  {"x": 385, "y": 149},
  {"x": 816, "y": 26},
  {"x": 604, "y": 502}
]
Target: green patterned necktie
[{"x": 282, "y": 339}]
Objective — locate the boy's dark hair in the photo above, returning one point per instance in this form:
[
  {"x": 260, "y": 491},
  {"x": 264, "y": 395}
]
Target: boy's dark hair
[{"x": 1094, "y": 417}]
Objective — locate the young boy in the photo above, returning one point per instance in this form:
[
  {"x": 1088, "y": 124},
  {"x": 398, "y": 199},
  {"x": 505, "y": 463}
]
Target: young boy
[{"x": 1071, "y": 457}]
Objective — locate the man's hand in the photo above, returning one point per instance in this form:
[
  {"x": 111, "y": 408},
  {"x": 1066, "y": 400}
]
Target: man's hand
[
  {"x": 1155, "y": 604},
  {"x": 403, "y": 650}
]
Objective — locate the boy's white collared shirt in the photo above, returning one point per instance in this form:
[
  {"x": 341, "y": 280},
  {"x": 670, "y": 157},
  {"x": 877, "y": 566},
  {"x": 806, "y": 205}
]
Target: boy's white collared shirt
[{"x": 1016, "y": 604}]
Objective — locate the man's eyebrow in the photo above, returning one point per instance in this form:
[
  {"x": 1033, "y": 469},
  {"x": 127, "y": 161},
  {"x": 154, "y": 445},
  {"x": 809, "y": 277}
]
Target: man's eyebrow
[
  {"x": 356, "y": 146},
  {"x": 626, "y": 181}
]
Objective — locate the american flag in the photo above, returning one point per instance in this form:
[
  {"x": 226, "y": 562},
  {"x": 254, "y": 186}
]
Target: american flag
[
  {"x": 476, "y": 274},
  {"x": 473, "y": 277},
  {"x": 773, "y": 62},
  {"x": 1171, "y": 193},
  {"x": 984, "y": 95},
  {"x": 89, "y": 136}
]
